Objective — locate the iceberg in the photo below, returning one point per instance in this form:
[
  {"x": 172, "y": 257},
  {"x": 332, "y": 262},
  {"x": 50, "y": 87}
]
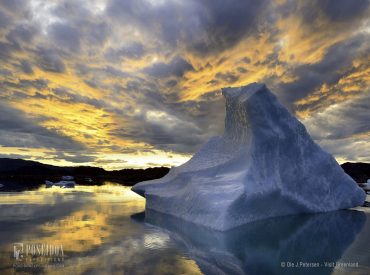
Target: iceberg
[{"x": 264, "y": 165}]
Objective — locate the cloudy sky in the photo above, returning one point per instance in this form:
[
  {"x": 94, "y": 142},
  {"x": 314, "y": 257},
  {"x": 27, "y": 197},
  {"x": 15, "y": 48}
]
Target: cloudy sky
[{"x": 136, "y": 83}]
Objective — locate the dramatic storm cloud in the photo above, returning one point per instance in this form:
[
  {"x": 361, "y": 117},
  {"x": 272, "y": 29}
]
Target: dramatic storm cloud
[{"x": 129, "y": 83}]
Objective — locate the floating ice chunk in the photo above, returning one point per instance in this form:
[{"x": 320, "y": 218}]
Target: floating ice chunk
[
  {"x": 66, "y": 182},
  {"x": 264, "y": 165}
]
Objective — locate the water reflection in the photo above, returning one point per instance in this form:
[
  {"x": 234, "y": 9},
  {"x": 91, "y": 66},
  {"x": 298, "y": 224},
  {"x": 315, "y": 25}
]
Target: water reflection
[
  {"x": 93, "y": 225},
  {"x": 103, "y": 231},
  {"x": 263, "y": 247}
]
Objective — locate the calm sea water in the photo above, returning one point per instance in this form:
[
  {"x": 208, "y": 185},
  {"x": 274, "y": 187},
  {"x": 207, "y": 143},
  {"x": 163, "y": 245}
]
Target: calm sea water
[{"x": 103, "y": 230}]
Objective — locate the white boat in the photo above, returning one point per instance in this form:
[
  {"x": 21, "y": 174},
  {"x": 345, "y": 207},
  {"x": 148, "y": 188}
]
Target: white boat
[
  {"x": 367, "y": 186},
  {"x": 49, "y": 184},
  {"x": 66, "y": 182}
]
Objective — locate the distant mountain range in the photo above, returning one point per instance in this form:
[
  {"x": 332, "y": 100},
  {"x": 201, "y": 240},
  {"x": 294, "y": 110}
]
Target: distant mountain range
[
  {"x": 359, "y": 171},
  {"x": 26, "y": 170}
]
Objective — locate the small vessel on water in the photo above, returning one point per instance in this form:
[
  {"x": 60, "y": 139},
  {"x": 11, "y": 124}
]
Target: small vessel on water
[
  {"x": 367, "y": 187},
  {"x": 66, "y": 182}
]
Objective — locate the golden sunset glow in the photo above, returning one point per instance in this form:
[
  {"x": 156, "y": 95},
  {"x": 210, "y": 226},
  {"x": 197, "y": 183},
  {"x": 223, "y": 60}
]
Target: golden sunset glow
[
  {"x": 84, "y": 220},
  {"x": 121, "y": 84}
]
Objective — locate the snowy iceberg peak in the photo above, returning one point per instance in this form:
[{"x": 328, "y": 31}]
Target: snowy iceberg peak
[
  {"x": 242, "y": 93},
  {"x": 253, "y": 110}
]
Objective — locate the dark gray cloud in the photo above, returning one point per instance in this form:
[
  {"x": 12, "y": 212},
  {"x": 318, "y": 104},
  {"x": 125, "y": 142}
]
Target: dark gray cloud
[
  {"x": 246, "y": 60},
  {"x": 5, "y": 20},
  {"x": 242, "y": 70},
  {"x": 134, "y": 50},
  {"x": 228, "y": 22},
  {"x": 68, "y": 96},
  {"x": 169, "y": 125},
  {"x": 164, "y": 136},
  {"x": 343, "y": 129},
  {"x": 343, "y": 10},
  {"x": 39, "y": 83},
  {"x": 14, "y": 156},
  {"x": 79, "y": 26},
  {"x": 5, "y": 72},
  {"x": 348, "y": 149},
  {"x": 17, "y": 130},
  {"x": 97, "y": 33},
  {"x": 204, "y": 26},
  {"x": 21, "y": 88},
  {"x": 324, "y": 15},
  {"x": 80, "y": 157},
  {"x": 15, "y": 32},
  {"x": 14, "y": 6},
  {"x": 176, "y": 67},
  {"x": 227, "y": 77},
  {"x": 336, "y": 63},
  {"x": 342, "y": 120},
  {"x": 6, "y": 50},
  {"x": 171, "y": 83},
  {"x": 26, "y": 67},
  {"x": 50, "y": 61},
  {"x": 21, "y": 33},
  {"x": 71, "y": 10},
  {"x": 65, "y": 36}
]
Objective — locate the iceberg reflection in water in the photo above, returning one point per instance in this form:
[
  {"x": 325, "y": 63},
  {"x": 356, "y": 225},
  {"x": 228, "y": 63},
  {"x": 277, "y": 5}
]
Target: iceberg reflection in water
[
  {"x": 101, "y": 234},
  {"x": 267, "y": 246}
]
